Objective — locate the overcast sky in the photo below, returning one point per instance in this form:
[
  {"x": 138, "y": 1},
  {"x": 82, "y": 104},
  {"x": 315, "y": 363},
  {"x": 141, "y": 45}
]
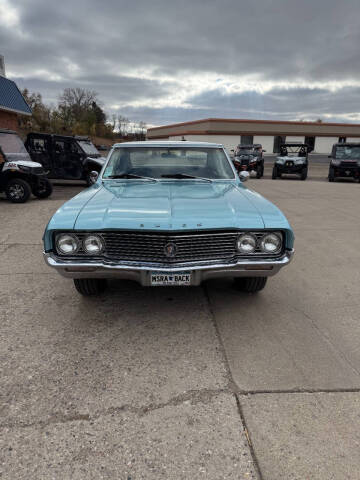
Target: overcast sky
[{"x": 164, "y": 62}]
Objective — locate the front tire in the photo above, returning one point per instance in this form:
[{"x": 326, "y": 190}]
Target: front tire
[
  {"x": 17, "y": 190},
  {"x": 250, "y": 284},
  {"x": 304, "y": 174},
  {"x": 90, "y": 286},
  {"x": 259, "y": 172},
  {"x": 43, "y": 190},
  {"x": 274, "y": 173},
  {"x": 331, "y": 175}
]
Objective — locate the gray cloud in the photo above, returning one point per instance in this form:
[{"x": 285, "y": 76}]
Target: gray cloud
[{"x": 102, "y": 45}]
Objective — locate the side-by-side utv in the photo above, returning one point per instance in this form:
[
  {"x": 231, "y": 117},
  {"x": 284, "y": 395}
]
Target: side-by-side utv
[{"x": 293, "y": 159}]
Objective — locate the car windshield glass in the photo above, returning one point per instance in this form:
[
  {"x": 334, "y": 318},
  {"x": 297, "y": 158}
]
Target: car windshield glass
[
  {"x": 88, "y": 147},
  {"x": 166, "y": 162},
  {"x": 11, "y": 143},
  {"x": 347, "y": 152},
  {"x": 246, "y": 151}
]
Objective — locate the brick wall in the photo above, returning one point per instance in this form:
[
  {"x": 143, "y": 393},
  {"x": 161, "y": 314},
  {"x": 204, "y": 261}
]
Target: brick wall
[{"x": 8, "y": 120}]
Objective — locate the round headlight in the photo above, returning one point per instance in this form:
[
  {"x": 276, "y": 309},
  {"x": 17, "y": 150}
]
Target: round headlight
[
  {"x": 93, "y": 245},
  {"x": 270, "y": 243},
  {"x": 67, "y": 244},
  {"x": 246, "y": 243}
]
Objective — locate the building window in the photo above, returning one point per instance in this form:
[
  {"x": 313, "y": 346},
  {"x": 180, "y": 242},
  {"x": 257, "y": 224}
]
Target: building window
[
  {"x": 278, "y": 140},
  {"x": 342, "y": 139},
  {"x": 311, "y": 142},
  {"x": 247, "y": 139}
]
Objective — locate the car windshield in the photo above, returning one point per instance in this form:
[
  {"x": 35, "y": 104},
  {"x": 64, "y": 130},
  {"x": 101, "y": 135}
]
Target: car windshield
[
  {"x": 88, "y": 147},
  {"x": 246, "y": 151},
  {"x": 169, "y": 162},
  {"x": 293, "y": 150},
  {"x": 347, "y": 152},
  {"x": 11, "y": 143}
]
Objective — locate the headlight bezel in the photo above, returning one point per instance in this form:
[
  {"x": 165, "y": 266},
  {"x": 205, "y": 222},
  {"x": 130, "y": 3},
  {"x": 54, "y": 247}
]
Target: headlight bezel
[
  {"x": 86, "y": 238},
  {"x": 259, "y": 251},
  {"x": 262, "y": 242},
  {"x": 70, "y": 235},
  {"x": 250, "y": 236},
  {"x": 80, "y": 238}
]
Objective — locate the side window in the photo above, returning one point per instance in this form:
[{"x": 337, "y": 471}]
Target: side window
[
  {"x": 59, "y": 146},
  {"x": 74, "y": 148},
  {"x": 38, "y": 145}
]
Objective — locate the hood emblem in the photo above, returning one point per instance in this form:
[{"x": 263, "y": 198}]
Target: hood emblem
[{"x": 170, "y": 250}]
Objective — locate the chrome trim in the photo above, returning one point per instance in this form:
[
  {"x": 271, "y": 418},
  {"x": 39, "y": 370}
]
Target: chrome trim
[{"x": 140, "y": 272}]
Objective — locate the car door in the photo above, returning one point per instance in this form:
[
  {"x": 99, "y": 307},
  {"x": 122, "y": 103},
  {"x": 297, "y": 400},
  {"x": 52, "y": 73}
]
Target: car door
[
  {"x": 74, "y": 154},
  {"x": 39, "y": 149}
]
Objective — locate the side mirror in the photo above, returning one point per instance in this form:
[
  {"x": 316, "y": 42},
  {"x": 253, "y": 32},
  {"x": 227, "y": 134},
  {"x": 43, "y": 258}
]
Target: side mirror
[
  {"x": 264, "y": 151},
  {"x": 329, "y": 156},
  {"x": 94, "y": 175},
  {"x": 232, "y": 150},
  {"x": 244, "y": 176}
]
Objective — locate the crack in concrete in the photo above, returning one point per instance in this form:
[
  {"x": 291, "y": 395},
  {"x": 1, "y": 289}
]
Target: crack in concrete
[
  {"x": 233, "y": 387},
  {"x": 193, "y": 397}
]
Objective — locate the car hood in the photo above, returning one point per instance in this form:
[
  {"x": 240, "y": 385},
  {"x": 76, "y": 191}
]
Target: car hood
[
  {"x": 177, "y": 205},
  {"x": 21, "y": 161}
]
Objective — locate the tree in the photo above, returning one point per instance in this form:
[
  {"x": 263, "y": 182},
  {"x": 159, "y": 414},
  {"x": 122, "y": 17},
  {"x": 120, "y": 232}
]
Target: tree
[
  {"x": 78, "y": 112},
  {"x": 41, "y": 114}
]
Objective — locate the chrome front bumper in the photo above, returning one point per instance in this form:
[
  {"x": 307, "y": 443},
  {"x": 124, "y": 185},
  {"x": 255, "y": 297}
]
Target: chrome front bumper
[{"x": 140, "y": 272}]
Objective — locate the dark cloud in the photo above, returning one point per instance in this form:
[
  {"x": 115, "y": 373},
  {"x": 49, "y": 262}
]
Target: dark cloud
[{"x": 144, "y": 51}]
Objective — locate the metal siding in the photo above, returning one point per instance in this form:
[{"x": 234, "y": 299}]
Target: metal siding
[
  {"x": 11, "y": 98},
  {"x": 324, "y": 144}
]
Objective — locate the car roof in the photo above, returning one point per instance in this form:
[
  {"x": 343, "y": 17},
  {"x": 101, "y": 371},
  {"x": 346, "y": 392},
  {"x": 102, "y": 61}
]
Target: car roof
[
  {"x": 347, "y": 144},
  {"x": 168, "y": 143},
  {"x": 294, "y": 144},
  {"x": 72, "y": 137},
  {"x": 249, "y": 145}
]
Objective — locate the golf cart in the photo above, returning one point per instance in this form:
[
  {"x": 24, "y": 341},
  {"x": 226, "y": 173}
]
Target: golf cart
[
  {"x": 19, "y": 175},
  {"x": 65, "y": 157},
  {"x": 249, "y": 158},
  {"x": 345, "y": 161},
  {"x": 293, "y": 159}
]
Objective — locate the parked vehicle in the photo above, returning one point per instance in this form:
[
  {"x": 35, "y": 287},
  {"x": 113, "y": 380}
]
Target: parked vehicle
[
  {"x": 249, "y": 158},
  {"x": 64, "y": 157},
  {"x": 102, "y": 147},
  {"x": 293, "y": 159},
  {"x": 345, "y": 161},
  {"x": 168, "y": 213},
  {"x": 19, "y": 175}
]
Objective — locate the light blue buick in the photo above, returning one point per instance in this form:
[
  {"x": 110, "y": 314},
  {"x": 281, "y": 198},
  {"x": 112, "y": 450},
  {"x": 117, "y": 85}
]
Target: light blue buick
[{"x": 168, "y": 213}]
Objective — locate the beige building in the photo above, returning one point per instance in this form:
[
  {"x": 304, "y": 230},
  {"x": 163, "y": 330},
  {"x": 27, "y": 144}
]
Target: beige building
[{"x": 230, "y": 132}]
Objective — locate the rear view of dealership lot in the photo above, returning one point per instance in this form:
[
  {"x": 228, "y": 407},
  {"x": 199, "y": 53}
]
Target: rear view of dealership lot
[{"x": 202, "y": 382}]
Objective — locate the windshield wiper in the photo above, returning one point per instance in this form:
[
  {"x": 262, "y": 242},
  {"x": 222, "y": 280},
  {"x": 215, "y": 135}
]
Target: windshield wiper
[
  {"x": 131, "y": 175},
  {"x": 185, "y": 175}
]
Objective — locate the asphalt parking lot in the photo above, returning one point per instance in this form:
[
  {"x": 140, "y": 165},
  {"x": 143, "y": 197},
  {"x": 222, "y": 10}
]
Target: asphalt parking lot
[{"x": 176, "y": 383}]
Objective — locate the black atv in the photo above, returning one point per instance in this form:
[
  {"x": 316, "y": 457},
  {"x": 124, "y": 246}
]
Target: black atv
[
  {"x": 65, "y": 157},
  {"x": 19, "y": 175},
  {"x": 249, "y": 158},
  {"x": 345, "y": 161},
  {"x": 293, "y": 159}
]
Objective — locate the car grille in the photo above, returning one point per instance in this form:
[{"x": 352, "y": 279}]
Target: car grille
[
  {"x": 348, "y": 165},
  {"x": 191, "y": 247}
]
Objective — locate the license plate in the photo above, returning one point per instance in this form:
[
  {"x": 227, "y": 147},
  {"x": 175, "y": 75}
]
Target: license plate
[{"x": 175, "y": 279}]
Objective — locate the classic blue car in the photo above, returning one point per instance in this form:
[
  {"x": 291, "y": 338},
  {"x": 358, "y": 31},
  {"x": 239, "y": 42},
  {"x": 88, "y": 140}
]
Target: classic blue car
[{"x": 168, "y": 213}]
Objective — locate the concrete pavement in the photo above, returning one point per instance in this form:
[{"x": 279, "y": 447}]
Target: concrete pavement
[{"x": 186, "y": 383}]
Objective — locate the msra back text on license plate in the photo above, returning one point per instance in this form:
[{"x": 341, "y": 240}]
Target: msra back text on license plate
[{"x": 163, "y": 278}]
